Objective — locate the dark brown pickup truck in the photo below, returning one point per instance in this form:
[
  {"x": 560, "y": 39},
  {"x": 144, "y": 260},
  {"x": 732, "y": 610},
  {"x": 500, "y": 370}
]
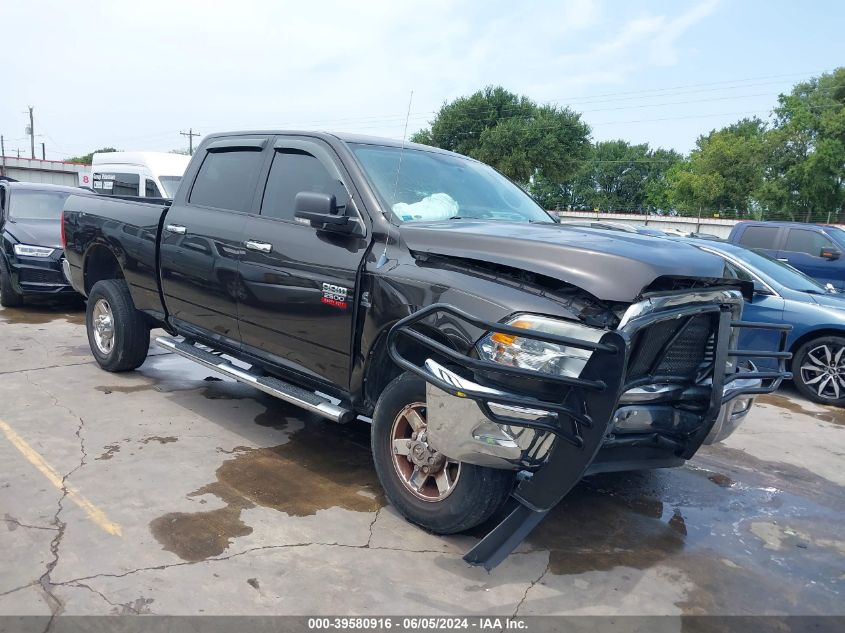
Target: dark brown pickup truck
[{"x": 497, "y": 353}]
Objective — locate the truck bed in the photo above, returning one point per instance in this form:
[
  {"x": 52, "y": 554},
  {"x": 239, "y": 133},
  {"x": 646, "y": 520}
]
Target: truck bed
[{"x": 128, "y": 229}]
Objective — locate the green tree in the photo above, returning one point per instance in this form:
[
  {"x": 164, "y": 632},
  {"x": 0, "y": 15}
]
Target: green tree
[
  {"x": 512, "y": 133},
  {"x": 724, "y": 171},
  {"x": 86, "y": 159},
  {"x": 458, "y": 125},
  {"x": 805, "y": 170}
]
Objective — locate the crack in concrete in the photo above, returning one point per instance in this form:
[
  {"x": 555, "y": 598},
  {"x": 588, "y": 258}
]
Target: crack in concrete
[
  {"x": 29, "y": 369},
  {"x": 10, "y": 519},
  {"x": 530, "y": 587},
  {"x": 125, "y": 608},
  {"x": 264, "y": 548},
  {"x": 11, "y": 591},
  {"x": 44, "y": 581},
  {"x": 372, "y": 525}
]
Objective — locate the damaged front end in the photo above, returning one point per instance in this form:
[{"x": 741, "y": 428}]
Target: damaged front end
[{"x": 647, "y": 394}]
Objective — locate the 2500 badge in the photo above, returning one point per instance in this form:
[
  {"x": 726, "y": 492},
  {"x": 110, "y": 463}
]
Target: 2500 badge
[{"x": 335, "y": 296}]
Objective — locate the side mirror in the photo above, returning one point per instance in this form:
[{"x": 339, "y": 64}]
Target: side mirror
[
  {"x": 830, "y": 253},
  {"x": 322, "y": 211}
]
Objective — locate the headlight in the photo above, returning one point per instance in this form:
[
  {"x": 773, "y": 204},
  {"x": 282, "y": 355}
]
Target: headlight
[
  {"x": 25, "y": 250},
  {"x": 552, "y": 358}
]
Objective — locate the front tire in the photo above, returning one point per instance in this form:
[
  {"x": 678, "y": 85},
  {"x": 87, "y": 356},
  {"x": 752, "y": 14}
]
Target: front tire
[
  {"x": 118, "y": 335},
  {"x": 818, "y": 370},
  {"x": 9, "y": 298},
  {"x": 449, "y": 496}
]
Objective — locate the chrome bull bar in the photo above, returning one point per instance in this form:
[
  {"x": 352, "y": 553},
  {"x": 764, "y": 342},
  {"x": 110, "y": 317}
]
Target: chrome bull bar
[{"x": 565, "y": 435}]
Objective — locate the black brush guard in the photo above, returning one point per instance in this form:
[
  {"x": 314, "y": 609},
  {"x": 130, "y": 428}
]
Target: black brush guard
[{"x": 585, "y": 414}]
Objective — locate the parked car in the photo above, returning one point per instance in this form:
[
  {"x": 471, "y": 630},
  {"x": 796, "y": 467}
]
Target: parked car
[
  {"x": 783, "y": 294},
  {"x": 426, "y": 293},
  {"x": 142, "y": 174},
  {"x": 814, "y": 249},
  {"x": 31, "y": 249}
]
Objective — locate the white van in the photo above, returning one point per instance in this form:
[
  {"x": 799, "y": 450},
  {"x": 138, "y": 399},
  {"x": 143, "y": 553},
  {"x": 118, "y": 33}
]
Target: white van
[{"x": 144, "y": 174}]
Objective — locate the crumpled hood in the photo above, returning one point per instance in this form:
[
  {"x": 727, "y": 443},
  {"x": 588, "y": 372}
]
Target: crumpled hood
[
  {"x": 36, "y": 232},
  {"x": 613, "y": 266}
]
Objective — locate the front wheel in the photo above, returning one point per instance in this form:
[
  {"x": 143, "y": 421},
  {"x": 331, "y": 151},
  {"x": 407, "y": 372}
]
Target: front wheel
[
  {"x": 818, "y": 370},
  {"x": 117, "y": 333},
  {"x": 9, "y": 298},
  {"x": 427, "y": 488}
]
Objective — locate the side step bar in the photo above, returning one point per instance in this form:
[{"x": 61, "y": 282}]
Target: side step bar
[{"x": 273, "y": 386}]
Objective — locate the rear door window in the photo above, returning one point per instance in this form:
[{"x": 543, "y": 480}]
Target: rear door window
[
  {"x": 809, "y": 242},
  {"x": 764, "y": 237},
  {"x": 227, "y": 180}
]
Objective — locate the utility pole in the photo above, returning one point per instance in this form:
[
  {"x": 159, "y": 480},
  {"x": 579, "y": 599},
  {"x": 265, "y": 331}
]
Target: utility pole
[
  {"x": 43, "y": 152},
  {"x": 31, "y": 134},
  {"x": 3, "y": 155},
  {"x": 190, "y": 134}
]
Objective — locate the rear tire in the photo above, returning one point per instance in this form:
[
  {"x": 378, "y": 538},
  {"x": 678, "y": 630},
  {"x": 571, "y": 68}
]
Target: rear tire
[
  {"x": 477, "y": 492},
  {"x": 118, "y": 335},
  {"x": 818, "y": 370},
  {"x": 9, "y": 298}
]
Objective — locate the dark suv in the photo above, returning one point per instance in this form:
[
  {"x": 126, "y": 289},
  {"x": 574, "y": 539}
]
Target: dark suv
[
  {"x": 31, "y": 251},
  {"x": 814, "y": 249}
]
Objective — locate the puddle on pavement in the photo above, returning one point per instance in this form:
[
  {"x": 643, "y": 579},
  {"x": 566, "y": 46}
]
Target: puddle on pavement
[
  {"x": 711, "y": 530},
  {"x": 41, "y": 314},
  {"x": 322, "y": 466},
  {"x": 834, "y": 415}
]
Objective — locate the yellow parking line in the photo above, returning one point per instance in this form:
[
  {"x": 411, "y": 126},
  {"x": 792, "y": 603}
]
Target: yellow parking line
[{"x": 94, "y": 513}]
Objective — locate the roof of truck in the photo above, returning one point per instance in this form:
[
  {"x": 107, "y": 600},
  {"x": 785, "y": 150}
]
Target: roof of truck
[{"x": 345, "y": 137}]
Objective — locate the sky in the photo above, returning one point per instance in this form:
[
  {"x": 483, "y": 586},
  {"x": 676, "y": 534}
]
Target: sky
[{"x": 133, "y": 75}]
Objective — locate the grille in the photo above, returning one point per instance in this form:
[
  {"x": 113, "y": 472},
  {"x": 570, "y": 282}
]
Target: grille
[
  {"x": 40, "y": 276},
  {"x": 676, "y": 348}
]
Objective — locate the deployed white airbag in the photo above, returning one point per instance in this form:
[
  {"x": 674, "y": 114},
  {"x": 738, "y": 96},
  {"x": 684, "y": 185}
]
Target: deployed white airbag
[{"x": 437, "y": 206}]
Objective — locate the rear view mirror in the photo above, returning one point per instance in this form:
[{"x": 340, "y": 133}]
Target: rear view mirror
[
  {"x": 322, "y": 211},
  {"x": 830, "y": 253}
]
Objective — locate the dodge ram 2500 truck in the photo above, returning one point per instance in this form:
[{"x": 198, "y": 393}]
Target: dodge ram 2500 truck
[{"x": 497, "y": 353}]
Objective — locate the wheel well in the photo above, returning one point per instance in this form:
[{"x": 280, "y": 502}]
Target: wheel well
[
  {"x": 381, "y": 369},
  {"x": 809, "y": 336},
  {"x": 100, "y": 264}
]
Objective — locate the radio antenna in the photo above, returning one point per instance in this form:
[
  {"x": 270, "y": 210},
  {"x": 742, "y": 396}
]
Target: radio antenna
[{"x": 382, "y": 260}]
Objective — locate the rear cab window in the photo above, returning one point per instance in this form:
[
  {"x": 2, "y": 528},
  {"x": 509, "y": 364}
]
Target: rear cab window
[{"x": 757, "y": 236}]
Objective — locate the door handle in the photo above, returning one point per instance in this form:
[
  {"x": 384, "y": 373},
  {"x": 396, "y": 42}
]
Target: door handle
[
  {"x": 783, "y": 259},
  {"x": 261, "y": 247},
  {"x": 176, "y": 228}
]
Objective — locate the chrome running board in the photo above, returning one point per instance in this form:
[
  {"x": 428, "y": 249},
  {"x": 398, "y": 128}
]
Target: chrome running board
[{"x": 303, "y": 398}]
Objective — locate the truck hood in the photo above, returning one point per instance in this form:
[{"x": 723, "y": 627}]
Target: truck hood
[
  {"x": 36, "y": 232},
  {"x": 613, "y": 266}
]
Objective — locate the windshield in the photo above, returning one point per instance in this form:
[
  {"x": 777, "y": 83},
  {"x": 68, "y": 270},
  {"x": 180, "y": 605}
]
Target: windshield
[
  {"x": 170, "y": 184},
  {"x": 780, "y": 272},
  {"x": 432, "y": 186},
  {"x": 36, "y": 205}
]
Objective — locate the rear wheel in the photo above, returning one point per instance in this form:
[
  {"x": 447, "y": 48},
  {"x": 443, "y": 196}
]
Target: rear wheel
[
  {"x": 439, "y": 494},
  {"x": 818, "y": 370},
  {"x": 9, "y": 298},
  {"x": 118, "y": 335}
]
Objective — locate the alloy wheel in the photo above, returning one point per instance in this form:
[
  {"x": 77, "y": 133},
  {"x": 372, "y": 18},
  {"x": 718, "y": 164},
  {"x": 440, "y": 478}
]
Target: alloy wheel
[
  {"x": 425, "y": 473},
  {"x": 823, "y": 370},
  {"x": 102, "y": 322}
]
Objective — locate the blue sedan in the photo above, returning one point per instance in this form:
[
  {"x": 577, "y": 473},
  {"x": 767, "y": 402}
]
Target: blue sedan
[{"x": 782, "y": 294}]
